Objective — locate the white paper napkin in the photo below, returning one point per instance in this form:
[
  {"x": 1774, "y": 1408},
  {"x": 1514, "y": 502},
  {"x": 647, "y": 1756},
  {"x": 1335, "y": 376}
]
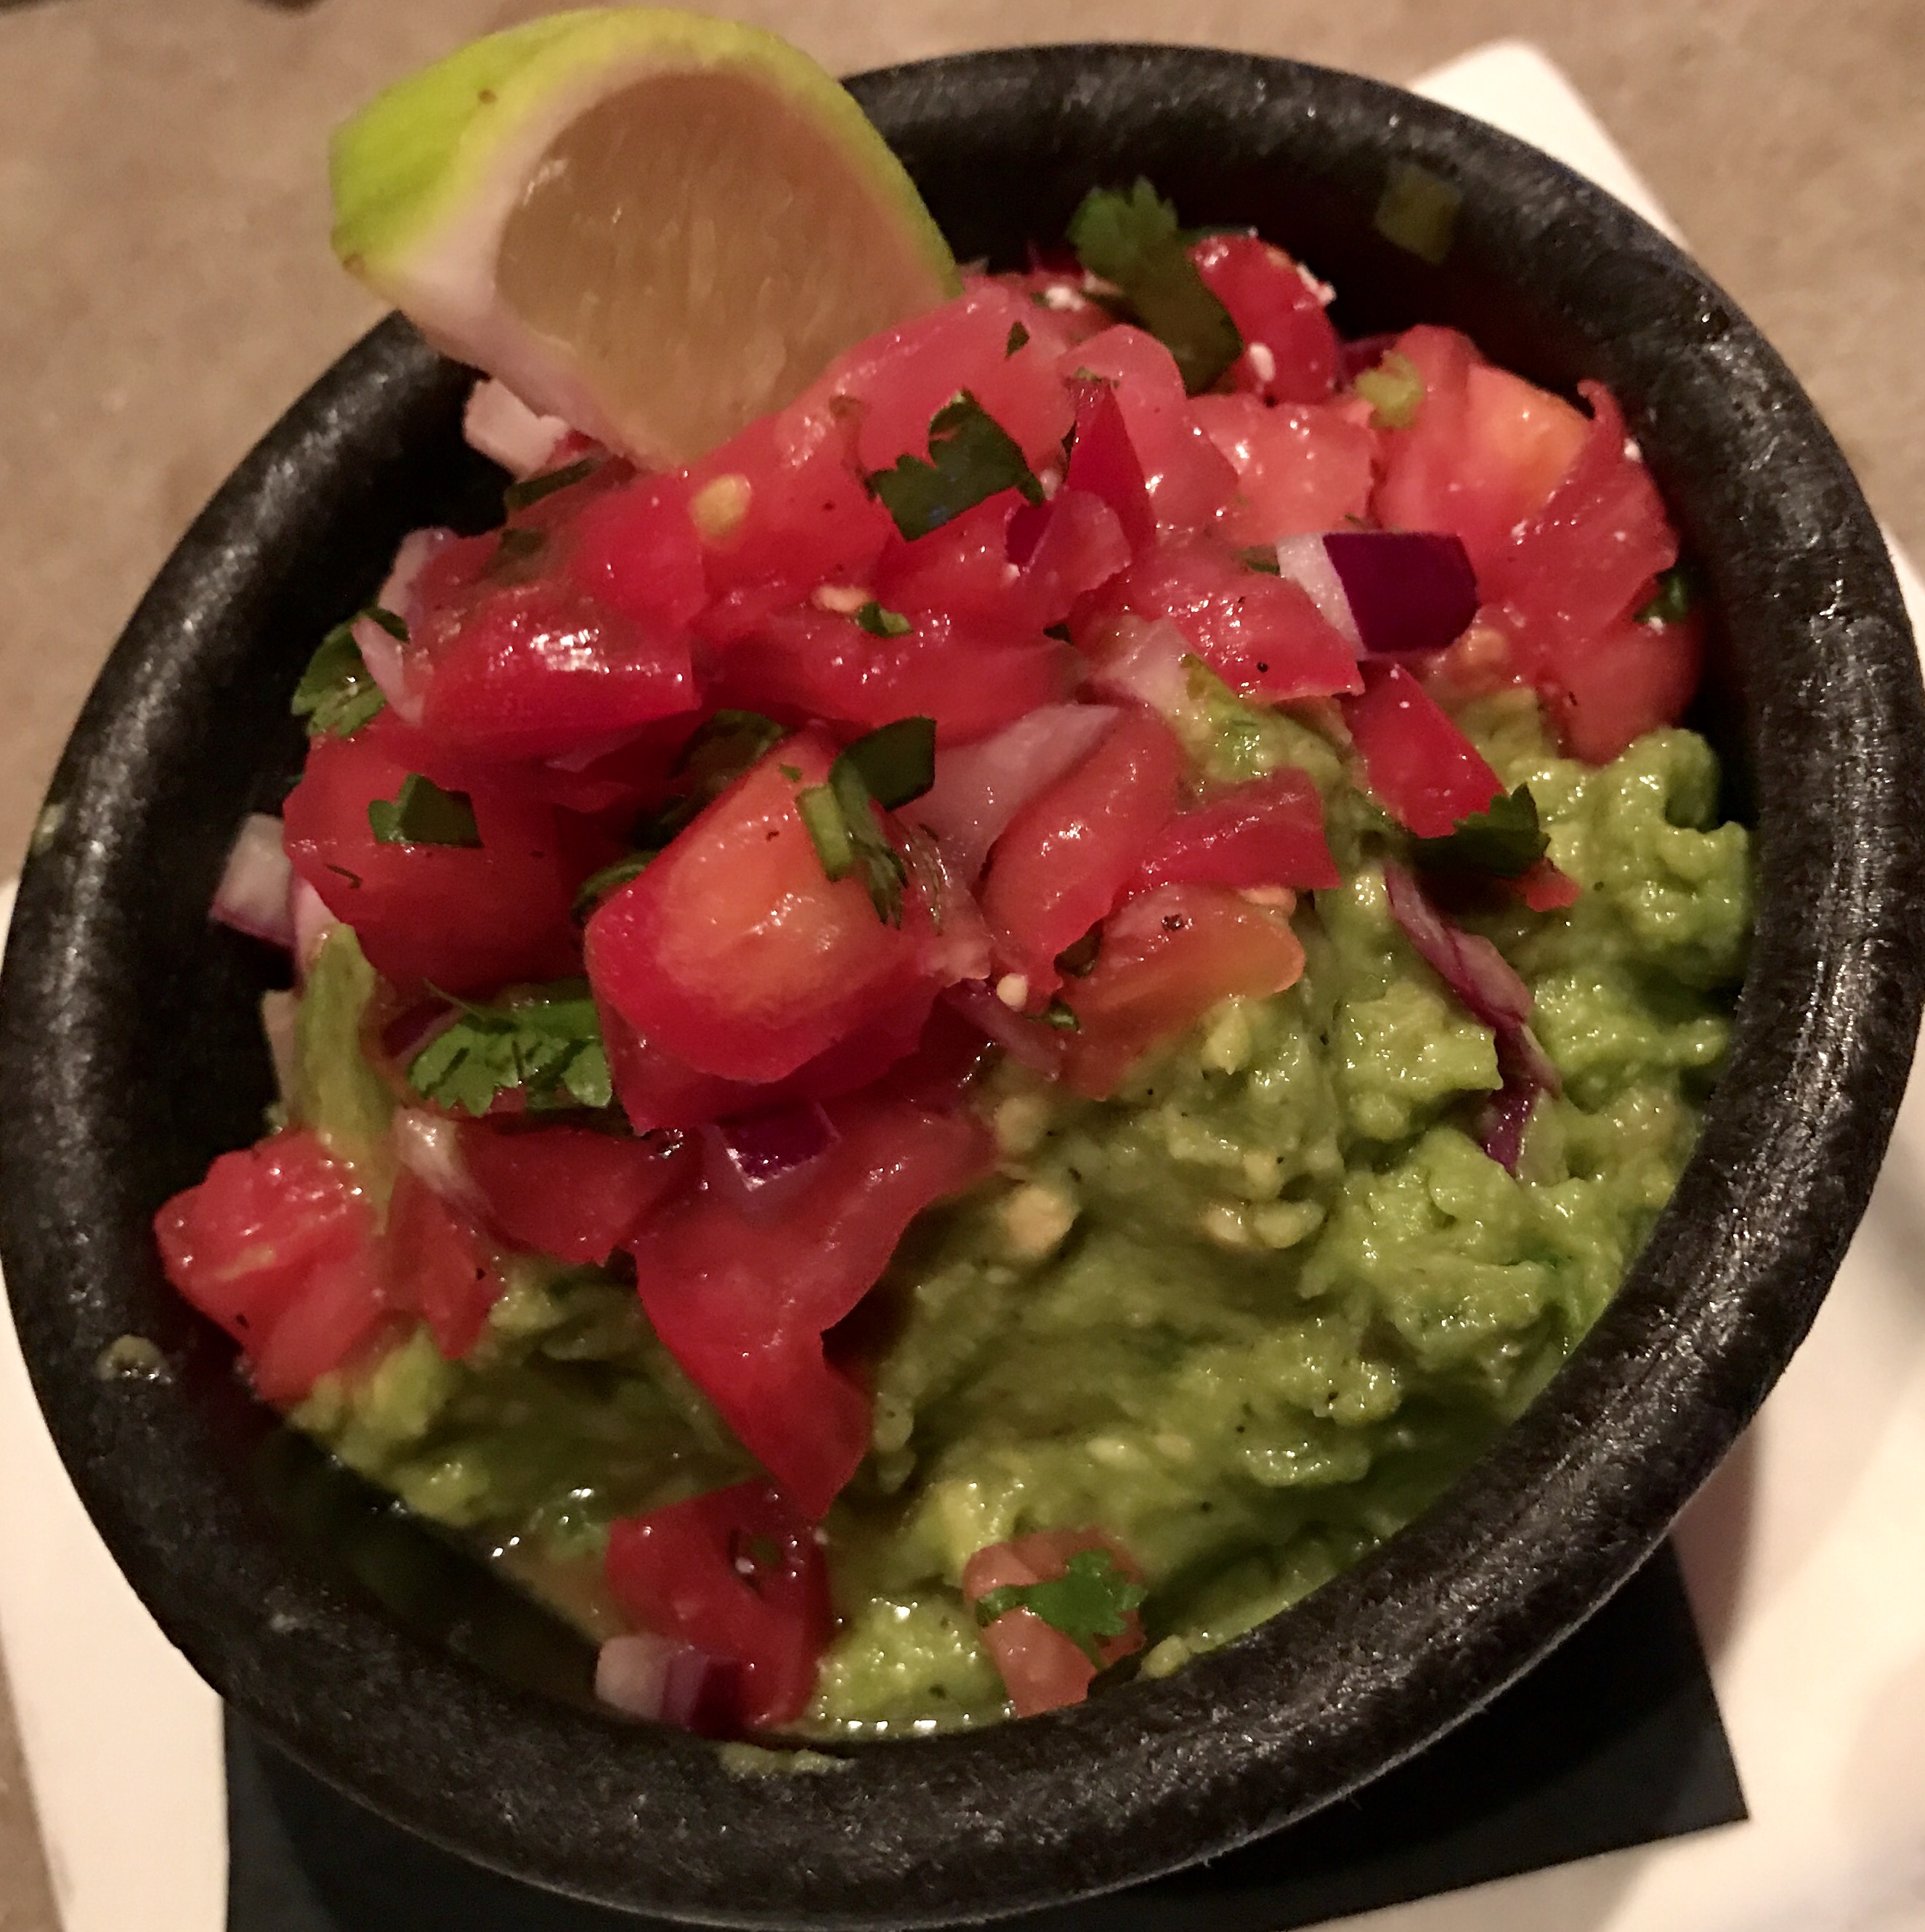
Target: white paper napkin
[{"x": 1806, "y": 1560}]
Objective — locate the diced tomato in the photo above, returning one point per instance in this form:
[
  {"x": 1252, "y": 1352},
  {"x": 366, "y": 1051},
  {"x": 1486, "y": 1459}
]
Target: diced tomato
[
  {"x": 1292, "y": 351},
  {"x": 1060, "y": 313},
  {"x": 1103, "y": 462},
  {"x": 1067, "y": 855},
  {"x": 243, "y": 1243},
  {"x": 468, "y": 919},
  {"x": 1269, "y": 832},
  {"x": 807, "y": 663},
  {"x": 1425, "y": 773},
  {"x": 1042, "y": 1667},
  {"x": 737, "y": 1573},
  {"x": 341, "y": 1310},
  {"x": 1484, "y": 452},
  {"x": 565, "y": 1190},
  {"x": 1188, "y": 479},
  {"x": 1261, "y": 635},
  {"x": 437, "y": 1267},
  {"x": 734, "y": 951},
  {"x": 1165, "y": 959},
  {"x": 1544, "y": 888},
  {"x": 635, "y": 552},
  {"x": 743, "y": 1305},
  {"x": 1630, "y": 679},
  {"x": 1300, "y": 467}
]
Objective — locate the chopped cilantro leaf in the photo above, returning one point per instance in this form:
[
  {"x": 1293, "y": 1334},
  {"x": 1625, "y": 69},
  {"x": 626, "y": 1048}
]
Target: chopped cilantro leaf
[
  {"x": 725, "y": 747},
  {"x": 822, "y": 816},
  {"x": 883, "y": 869},
  {"x": 1132, "y": 240},
  {"x": 880, "y": 623},
  {"x": 898, "y": 761},
  {"x": 1092, "y": 1599},
  {"x": 533, "y": 489},
  {"x": 337, "y": 693},
  {"x": 549, "y": 1047},
  {"x": 1418, "y": 211},
  {"x": 971, "y": 457},
  {"x": 1394, "y": 390},
  {"x": 1262, "y": 556},
  {"x": 422, "y": 814},
  {"x": 1677, "y": 596},
  {"x": 1019, "y": 337},
  {"x": 518, "y": 543},
  {"x": 611, "y": 878},
  {"x": 1078, "y": 960},
  {"x": 1061, "y": 1017},
  {"x": 1504, "y": 840}
]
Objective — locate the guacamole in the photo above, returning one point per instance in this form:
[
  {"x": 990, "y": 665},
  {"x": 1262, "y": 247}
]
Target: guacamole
[{"x": 1250, "y": 1314}]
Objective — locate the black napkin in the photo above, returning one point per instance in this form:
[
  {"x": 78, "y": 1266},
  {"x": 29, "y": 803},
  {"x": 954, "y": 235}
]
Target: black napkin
[{"x": 1614, "y": 1740}]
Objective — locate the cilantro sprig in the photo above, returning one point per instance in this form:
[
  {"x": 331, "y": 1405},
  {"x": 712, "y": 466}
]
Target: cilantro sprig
[
  {"x": 1505, "y": 840},
  {"x": 888, "y": 767},
  {"x": 422, "y": 814},
  {"x": 1676, "y": 598},
  {"x": 1132, "y": 240},
  {"x": 337, "y": 693},
  {"x": 548, "y": 1045},
  {"x": 532, "y": 489},
  {"x": 1091, "y": 1600},
  {"x": 880, "y": 622},
  {"x": 971, "y": 457}
]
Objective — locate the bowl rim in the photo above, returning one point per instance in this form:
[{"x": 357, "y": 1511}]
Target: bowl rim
[{"x": 1409, "y": 1640}]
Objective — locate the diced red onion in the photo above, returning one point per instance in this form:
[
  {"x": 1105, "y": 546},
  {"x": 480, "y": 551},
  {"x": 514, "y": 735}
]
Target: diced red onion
[
  {"x": 1489, "y": 987},
  {"x": 1408, "y": 590},
  {"x": 1305, "y": 561},
  {"x": 429, "y": 1146},
  {"x": 650, "y": 1677},
  {"x": 979, "y": 788},
  {"x": 761, "y": 1161},
  {"x": 256, "y": 883},
  {"x": 1028, "y": 1041},
  {"x": 503, "y": 428}
]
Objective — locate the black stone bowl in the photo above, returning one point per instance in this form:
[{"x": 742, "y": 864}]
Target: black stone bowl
[{"x": 132, "y": 1057}]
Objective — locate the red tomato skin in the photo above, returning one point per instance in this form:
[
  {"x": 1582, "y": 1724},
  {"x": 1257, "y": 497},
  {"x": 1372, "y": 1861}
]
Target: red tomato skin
[
  {"x": 437, "y": 1267},
  {"x": 1544, "y": 888},
  {"x": 733, "y": 952},
  {"x": 743, "y": 1305},
  {"x": 1064, "y": 860},
  {"x": 1103, "y": 463},
  {"x": 1042, "y": 1668},
  {"x": 1300, "y": 468},
  {"x": 1271, "y": 304},
  {"x": 468, "y": 919},
  {"x": 1268, "y": 832},
  {"x": 1630, "y": 679},
  {"x": 242, "y": 1244},
  {"x": 1166, "y": 958},
  {"x": 1262, "y": 635},
  {"x": 635, "y": 552},
  {"x": 806, "y": 663},
  {"x": 677, "y": 1571},
  {"x": 565, "y": 1190},
  {"x": 342, "y": 1309},
  {"x": 1425, "y": 773},
  {"x": 1189, "y": 479}
]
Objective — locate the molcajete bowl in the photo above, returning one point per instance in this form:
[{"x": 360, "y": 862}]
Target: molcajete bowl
[{"x": 128, "y": 1028}]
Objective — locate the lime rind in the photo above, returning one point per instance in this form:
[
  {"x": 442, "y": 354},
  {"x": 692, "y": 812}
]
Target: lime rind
[{"x": 426, "y": 175}]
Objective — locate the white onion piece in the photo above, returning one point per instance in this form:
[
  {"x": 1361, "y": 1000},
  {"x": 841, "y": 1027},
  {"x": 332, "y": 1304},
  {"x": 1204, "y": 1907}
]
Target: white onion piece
[
  {"x": 503, "y": 428},
  {"x": 1028, "y": 1041},
  {"x": 279, "y": 1013},
  {"x": 1144, "y": 664},
  {"x": 980, "y": 787},
  {"x": 307, "y": 913},
  {"x": 252, "y": 895},
  {"x": 429, "y": 1146},
  {"x": 1304, "y": 560},
  {"x": 416, "y": 550},
  {"x": 384, "y": 655},
  {"x": 650, "y": 1677},
  {"x": 631, "y": 1672}
]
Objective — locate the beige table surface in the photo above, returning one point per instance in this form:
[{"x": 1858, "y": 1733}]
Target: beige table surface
[{"x": 166, "y": 289}]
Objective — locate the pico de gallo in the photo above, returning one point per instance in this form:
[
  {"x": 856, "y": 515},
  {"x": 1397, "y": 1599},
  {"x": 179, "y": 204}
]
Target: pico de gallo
[{"x": 944, "y": 1058}]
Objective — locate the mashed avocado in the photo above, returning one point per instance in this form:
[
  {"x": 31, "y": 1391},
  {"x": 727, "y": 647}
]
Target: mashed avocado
[{"x": 1249, "y": 1315}]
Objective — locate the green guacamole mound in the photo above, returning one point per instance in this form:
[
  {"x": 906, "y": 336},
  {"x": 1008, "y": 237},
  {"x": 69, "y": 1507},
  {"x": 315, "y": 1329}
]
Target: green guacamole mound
[{"x": 1250, "y": 1315}]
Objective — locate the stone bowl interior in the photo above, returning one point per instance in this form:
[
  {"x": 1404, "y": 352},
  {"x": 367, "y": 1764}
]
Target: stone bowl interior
[{"x": 378, "y": 1660}]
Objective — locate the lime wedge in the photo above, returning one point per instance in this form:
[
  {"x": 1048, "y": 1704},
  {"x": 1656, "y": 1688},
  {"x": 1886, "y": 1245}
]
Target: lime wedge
[{"x": 657, "y": 225}]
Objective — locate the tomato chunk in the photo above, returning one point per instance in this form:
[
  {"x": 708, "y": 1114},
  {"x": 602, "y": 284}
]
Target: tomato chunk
[
  {"x": 1630, "y": 678},
  {"x": 1042, "y": 1667},
  {"x": 1291, "y": 352},
  {"x": 738, "y": 1573},
  {"x": 1165, "y": 959},
  {"x": 1104, "y": 463},
  {"x": 1269, "y": 832},
  {"x": 437, "y": 1266},
  {"x": 340, "y": 1312},
  {"x": 242, "y": 1244},
  {"x": 1425, "y": 773},
  {"x": 1299, "y": 468},
  {"x": 467, "y": 918},
  {"x": 566, "y": 1190},
  {"x": 734, "y": 951},
  {"x": 743, "y": 1304},
  {"x": 1067, "y": 855}
]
